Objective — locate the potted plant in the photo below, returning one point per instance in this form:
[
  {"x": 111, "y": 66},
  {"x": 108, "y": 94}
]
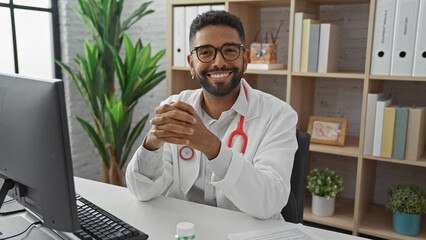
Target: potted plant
[
  {"x": 112, "y": 110},
  {"x": 408, "y": 202},
  {"x": 324, "y": 185}
]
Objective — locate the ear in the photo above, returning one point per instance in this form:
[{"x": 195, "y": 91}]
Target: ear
[
  {"x": 246, "y": 57},
  {"x": 190, "y": 60}
]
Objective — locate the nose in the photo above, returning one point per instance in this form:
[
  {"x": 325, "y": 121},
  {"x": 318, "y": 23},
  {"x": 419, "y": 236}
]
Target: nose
[{"x": 219, "y": 61}]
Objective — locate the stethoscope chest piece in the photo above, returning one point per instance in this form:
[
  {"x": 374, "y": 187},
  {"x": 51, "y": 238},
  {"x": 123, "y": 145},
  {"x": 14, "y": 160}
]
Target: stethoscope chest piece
[{"x": 186, "y": 153}]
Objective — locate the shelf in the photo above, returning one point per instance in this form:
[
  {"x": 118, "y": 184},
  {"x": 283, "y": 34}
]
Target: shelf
[
  {"x": 265, "y": 3},
  {"x": 378, "y": 222},
  {"x": 350, "y": 149},
  {"x": 342, "y": 218},
  {"x": 325, "y": 2},
  {"x": 350, "y": 75},
  {"x": 180, "y": 68},
  {"x": 283, "y": 72},
  {"x": 419, "y": 163},
  {"x": 398, "y": 78}
]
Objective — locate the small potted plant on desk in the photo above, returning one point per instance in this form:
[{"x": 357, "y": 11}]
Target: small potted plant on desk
[
  {"x": 408, "y": 202},
  {"x": 324, "y": 185}
]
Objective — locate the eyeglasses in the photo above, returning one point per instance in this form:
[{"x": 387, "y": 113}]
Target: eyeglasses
[{"x": 207, "y": 53}]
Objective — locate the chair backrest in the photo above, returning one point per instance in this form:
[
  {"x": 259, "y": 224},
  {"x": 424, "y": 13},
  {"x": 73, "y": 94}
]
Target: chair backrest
[{"x": 293, "y": 211}]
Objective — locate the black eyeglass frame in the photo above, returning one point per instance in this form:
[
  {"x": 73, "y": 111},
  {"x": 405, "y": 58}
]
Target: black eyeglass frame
[{"x": 239, "y": 45}]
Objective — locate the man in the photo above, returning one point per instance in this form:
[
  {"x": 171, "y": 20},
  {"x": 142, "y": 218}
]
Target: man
[{"x": 190, "y": 152}]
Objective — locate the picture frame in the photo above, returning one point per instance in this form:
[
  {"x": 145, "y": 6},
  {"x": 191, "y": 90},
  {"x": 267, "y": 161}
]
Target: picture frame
[{"x": 326, "y": 130}]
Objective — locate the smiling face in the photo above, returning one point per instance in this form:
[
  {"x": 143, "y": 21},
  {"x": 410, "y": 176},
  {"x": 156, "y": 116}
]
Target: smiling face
[{"x": 219, "y": 77}]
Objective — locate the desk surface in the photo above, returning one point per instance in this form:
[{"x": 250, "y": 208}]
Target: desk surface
[{"x": 158, "y": 217}]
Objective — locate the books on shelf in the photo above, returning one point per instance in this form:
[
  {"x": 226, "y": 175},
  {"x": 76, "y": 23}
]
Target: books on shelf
[
  {"x": 400, "y": 133},
  {"x": 297, "y": 38},
  {"x": 314, "y": 38},
  {"x": 397, "y": 132},
  {"x": 415, "y": 133},
  {"x": 378, "y": 126},
  {"x": 259, "y": 66},
  {"x": 304, "y": 54},
  {"x": 329, "y": 45},
  {"x": 370, "y": 120},
  {"x": 316, "y": 45},
  {"x": 388, "y": 131}
]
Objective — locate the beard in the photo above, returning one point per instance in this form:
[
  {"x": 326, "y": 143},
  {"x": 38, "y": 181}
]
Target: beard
[{"x": 220, "y": 89}]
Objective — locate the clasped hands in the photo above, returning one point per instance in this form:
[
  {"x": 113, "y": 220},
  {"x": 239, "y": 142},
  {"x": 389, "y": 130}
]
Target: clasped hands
[{"x": 178, "y": 123}]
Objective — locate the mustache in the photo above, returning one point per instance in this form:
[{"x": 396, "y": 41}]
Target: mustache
[{"x": 233, "y": 69}]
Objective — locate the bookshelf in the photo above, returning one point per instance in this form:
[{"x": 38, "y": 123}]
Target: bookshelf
[{"x": 359, "y": 214}]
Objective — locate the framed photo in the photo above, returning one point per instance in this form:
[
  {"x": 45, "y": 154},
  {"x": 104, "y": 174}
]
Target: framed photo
[{"x": 325, "y": 130}]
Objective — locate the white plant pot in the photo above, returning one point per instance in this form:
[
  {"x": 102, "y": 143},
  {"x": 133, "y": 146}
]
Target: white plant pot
[{"x": 322, "y": 206}]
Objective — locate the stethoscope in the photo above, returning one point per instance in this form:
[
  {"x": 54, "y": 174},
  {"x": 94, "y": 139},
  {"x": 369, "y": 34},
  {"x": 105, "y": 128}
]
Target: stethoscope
[{"x": 187, "y": 153}]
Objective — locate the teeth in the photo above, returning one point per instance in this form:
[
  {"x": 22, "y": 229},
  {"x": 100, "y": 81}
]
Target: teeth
[{"x": 219, "y": 75}]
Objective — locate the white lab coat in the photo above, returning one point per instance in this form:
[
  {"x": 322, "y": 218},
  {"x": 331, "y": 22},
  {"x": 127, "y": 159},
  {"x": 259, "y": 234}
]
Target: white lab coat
[{"x": 256, "y": 182}]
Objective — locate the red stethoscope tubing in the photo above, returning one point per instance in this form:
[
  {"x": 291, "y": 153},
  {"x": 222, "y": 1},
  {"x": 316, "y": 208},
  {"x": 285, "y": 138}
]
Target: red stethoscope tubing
[{"x": 238, "y": 131}]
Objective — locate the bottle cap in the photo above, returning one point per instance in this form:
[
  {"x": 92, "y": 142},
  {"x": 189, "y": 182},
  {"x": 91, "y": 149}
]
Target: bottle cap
[{"x": 185, "y": 229}]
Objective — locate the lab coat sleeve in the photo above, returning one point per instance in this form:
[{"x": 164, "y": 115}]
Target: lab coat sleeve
[
  {"x": 149, "y": 173},
  {"x": 260, "y": 186}
]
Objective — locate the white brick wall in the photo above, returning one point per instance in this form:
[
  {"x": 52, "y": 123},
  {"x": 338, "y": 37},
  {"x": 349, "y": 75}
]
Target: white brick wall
[
  {"x": 151, "y": 28},
  {"x": 333, "y": 97}
]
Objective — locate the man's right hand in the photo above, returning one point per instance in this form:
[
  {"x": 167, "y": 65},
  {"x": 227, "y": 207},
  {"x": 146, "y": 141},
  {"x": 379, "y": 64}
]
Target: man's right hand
[{"x": 173, "y": 123}]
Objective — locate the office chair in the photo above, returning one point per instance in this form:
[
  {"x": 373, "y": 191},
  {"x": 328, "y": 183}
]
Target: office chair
[{"x": 293, "y": 211}]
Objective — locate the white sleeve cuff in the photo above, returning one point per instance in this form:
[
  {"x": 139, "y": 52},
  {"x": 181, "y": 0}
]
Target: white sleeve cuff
[{"x": 221, "y": 163}]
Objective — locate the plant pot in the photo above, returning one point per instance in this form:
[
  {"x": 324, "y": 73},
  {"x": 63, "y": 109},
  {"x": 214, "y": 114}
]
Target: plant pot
[
  {"x": 322, "y": 206},
  {"x": 406, "y": 224}
]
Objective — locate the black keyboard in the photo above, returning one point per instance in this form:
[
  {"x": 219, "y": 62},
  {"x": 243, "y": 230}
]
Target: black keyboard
[{"x": 97, "y": 223}]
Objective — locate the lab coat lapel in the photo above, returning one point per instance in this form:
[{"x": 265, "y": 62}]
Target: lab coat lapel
[{"x": 188, "y": 171}]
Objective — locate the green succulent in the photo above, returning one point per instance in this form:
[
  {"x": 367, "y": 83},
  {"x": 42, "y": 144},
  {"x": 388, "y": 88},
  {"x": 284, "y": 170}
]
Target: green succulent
[
  {"x": 407, "y": 198},
  {"x": 324, "y": 183}
]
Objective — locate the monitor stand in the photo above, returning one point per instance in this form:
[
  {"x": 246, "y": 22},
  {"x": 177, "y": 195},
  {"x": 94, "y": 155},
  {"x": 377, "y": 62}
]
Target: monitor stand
[
  {"x": 13, "y": 225},
  {"x": 7, "y": 185}
]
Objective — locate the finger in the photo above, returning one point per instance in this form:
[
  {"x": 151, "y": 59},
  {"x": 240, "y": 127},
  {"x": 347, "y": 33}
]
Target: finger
[
  {"x": 173, "y": 115},
  {"x": 175, "y": 128},
  {"x": 165, "y": 136},
  {"x": 183, "y": 106}
]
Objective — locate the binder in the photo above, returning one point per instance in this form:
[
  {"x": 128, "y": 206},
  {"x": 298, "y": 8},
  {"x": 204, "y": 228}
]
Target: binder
[
  {"x": 370, "y": 120},
  {"x": 297, "y": 38},
  {"x": 314, "y": 37},
  {"x": 179, "y": 56},
  {"x": 218, "y": 7},
  {"x": 304, "y": 54},
  {"x": 419, "y": 69},
  {"x": 384, "y": 22},
  {"x": 404, "y": 37},
  {"x": 388, "y": 131},
  {"x": 204, "y": 8},
  {"x": 400, "y": 133},
  {"x": 416, "y": 133},
  {"x": 191, "y": 12},
  {"x": 329, "y": 45},
  {"x": 378, "y": 126}
]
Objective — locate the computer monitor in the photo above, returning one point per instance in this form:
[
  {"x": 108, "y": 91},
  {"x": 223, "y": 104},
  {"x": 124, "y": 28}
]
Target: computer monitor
[{"x": 35, "y": 151}]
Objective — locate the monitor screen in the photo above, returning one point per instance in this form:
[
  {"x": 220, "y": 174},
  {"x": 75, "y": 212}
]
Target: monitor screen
[{"x": 35, "y": 149}]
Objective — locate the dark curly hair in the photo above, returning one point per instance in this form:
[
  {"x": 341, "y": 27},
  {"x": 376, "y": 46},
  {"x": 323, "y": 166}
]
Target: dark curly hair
[{"x": 216, "y": 18}]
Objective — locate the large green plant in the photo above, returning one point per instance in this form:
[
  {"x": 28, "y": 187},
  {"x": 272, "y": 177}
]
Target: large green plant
[
  {"x": 112, "y": 132},
  {"x": 324, "y": 183},
  {"x": 407, "y": 198}
]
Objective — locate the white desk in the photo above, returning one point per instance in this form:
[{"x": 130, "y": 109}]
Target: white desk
[{"x": 158, "y": 217}]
